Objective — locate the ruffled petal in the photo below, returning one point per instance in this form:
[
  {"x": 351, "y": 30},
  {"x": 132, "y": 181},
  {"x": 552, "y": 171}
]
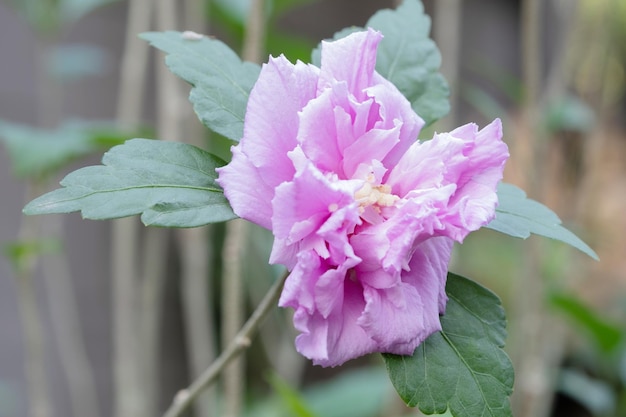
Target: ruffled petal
[
  {"x": 248, "y": 194},
  {"x": 326, "y": 129},
  {"x": 395, "y": 110},
  {"x": 271, "y": 123},
  {"x": 303, "y": 205},
  {"x": 425, "y": 164},
  {"x": 351, "y": 59},
  {"x": 473, "y": 204},
  {"x": 386, "y": 248},
  {"x": 401, "y": 317},
  {"x": 428, "y": 271},
  {"x": 338, "y": 338}
]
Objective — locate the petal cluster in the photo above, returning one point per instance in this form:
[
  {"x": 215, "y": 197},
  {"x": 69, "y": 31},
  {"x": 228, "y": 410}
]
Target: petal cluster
[{"x": 363, "y": 215}]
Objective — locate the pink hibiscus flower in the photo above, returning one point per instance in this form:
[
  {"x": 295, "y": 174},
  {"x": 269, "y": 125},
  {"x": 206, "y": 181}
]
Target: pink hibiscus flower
[{"x": 364, "y": 215}]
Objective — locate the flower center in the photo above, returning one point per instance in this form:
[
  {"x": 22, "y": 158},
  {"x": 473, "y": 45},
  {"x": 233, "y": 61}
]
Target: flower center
[{"x": 376, "y": 196}]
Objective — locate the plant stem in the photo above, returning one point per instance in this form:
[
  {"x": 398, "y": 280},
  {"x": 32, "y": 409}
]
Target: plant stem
[
  {"x": 196, "y": 252},
  {"x": 534, "y": 365},
  {"x": 196, "y": 284},
  {"x": 155, "y": 245},
  {"x": 253, "y": 43},
  {"x": 65, "y": 316},
  {"x": 129, "y": 395},
  {"x": 35, "y": 369},
  {"x": 233, "y": 296},
  {"x": 447, "y": 34},
  {"x": 233, "y": 307},
  {"x": 39, "y": 398},
  {"x": 185, "y": 397}
]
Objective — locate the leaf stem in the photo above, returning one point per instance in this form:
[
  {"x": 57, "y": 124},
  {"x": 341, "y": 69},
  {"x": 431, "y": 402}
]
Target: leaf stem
[{"x": 185, "y": 397}]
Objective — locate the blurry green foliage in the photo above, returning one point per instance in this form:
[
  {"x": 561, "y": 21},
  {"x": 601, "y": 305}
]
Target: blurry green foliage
[
  {"x": 50, "y": 16},
  {"x": 569, "y": 113},
  {"x": 76, "y": 61},
  {"x": 37, "y": 153},
  {"x": 21, "y": 253},
  {"x": 606, "y": 335},
  {"x": 229, "y": 17},
  {"x": 361, "y": 392},
  {"x": 594, "y": 394}
]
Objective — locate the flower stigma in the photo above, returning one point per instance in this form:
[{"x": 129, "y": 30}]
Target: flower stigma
[{"x": 377, "y": 196}]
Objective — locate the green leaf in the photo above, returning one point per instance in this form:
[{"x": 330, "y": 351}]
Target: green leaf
[
  {"x": 408, "y": 58},
  {"x": 36, "y": 152},
  {"x": 462, "y": 368},
  {"x": 605, "y": 334},
  {"x": 171, "y": 184},
  {"x": 221, "y": 82},
  {"x": 519, "y": 216}
]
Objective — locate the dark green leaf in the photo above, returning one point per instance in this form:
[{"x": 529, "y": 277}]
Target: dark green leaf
[
  {"x": 463, "y": 367},
  {"x": 408, "y": 58},
  {"x": 221, "y": 81},
  {"x": 606, "y": 335},
  {"x": 36, "y": 152},
  {"x": 519, "y": 216},
  {"x": 171, "y": 184}
]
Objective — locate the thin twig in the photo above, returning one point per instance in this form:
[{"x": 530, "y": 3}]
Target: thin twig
[
  {"x": 129, "y": 398},
  {"x": 196, "y": 253},
  {"x": 65, "y": 316},
  {"x": 254, "y": 41},
  {"x": 447, "y": 34},
  {"x": 185, "y": 397},
  {"x": 233, "y": 298},
  {"x": 153, "y": 280},
  {"x": 32, "y": 329},
  {"x": 233, "y": 307}
]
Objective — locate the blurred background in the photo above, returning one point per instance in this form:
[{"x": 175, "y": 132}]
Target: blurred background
[{"x": 112, "y": 319}]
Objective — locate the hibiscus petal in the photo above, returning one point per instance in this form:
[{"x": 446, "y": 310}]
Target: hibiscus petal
[
  {"x": 337, "y": 339},
  {"x": 351, "y": 59},
  {"x": 430, "y": 261},
  {"x": 401, "y": 317},
  {"x": 271, "y": 123},
  {"x": 425, "y": 165},
  {"x": 248, "y": 194},
  {"x": 301, "y": 205},
  {"x": 473, "y": 204},
  {"x": 325, "y": 129},
  {"x": 393, "y": 317},
  {"x": 299, "y": 289},
  {"x": 386, "y": 248},
  {"x": 395, "y": 110},
  {"x": 372, "y": 146}
]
